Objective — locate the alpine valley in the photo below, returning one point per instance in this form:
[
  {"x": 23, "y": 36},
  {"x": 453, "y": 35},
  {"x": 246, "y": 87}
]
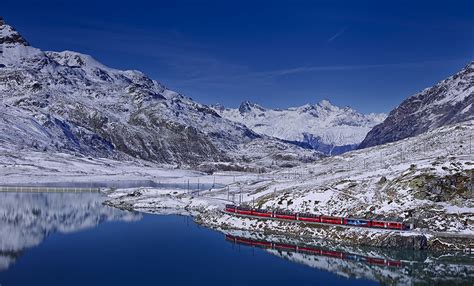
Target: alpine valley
[{"x": 65, "y": 117}]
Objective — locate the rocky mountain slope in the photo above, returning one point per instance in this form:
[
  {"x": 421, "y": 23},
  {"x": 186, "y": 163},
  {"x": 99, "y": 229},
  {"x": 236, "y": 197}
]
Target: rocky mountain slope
[
  {"x": 449, "y": 101},
  {"x": 69, "y": 102},
  {"x": 323, "y": 126}
]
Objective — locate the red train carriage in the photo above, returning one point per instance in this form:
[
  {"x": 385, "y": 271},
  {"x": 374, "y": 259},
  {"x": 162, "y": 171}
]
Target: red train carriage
[
  {"x": 394, "y": 263},
  {"x": 376, "y": 261},
  {"x": 332, "y": 220},
  {"x": 243, "y": 240},
  {"x": 284, "y": 246},
  {"x": 284, "y": 215},
  {"x": 310, "y": 250},
  {"x": 243, "y": 210},
  {"x": 262, "y": 213},
  {"x": 388, "y": 224},
  {"x": 263, "y": 244},
  {"x": 230, "y": 208},
  {"x": 378, "y": 224},
  {"x": 395, "y": 225},
  {"x": 331, "y": 253},
  {"x": 309, "y": 217}
]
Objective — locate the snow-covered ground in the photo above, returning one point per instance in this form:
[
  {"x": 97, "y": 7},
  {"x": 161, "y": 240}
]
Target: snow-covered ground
[{"x": 39, "y": 167}]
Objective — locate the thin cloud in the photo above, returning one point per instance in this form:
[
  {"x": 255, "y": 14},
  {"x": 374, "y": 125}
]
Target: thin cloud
[
  {"x": 337, "y": 35},
  {"x": 266, "y": 75}
]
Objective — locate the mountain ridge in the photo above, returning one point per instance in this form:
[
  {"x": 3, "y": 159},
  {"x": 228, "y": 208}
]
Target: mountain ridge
[
  {"x": 68, "y": 101},
  {"x": 449, "y": 101},
  {"x": 323, "y": 126}
]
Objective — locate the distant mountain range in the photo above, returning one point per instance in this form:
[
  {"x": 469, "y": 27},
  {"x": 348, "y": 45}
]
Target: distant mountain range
[
  {"x": 449, "y": 101},
  {"x": 69, "y": 102},
  {"x": 323, "y": 126}
]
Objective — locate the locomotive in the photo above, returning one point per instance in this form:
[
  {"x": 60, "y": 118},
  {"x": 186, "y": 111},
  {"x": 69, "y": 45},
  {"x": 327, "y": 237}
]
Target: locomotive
[{"x": 315, "y": 218}]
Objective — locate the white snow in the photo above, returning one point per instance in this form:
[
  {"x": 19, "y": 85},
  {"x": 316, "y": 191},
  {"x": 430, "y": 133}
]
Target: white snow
[
  {"x": 322, "y": 122},
  {"x": 375, "y": 183}
]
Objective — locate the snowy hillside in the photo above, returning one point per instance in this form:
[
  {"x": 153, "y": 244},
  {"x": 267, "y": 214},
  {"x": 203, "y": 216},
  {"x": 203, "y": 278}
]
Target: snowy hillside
[
  {"x": 69, "y": 102},
  {"x": 424, "y": 180},
  {"x": 448, "y": 102},
  {"x": 323, "y": 126}
]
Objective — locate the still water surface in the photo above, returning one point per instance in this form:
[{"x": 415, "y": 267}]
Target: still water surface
[{"x": 72, "y": 239}]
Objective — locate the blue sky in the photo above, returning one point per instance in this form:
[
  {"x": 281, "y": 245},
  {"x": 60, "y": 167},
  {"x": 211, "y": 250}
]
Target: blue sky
[{"x": 366, "y": 54}]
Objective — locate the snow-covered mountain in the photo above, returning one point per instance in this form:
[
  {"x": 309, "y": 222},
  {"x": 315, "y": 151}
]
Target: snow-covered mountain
[
  {"x": 69, "y": 102},
  {"x": 449, "y": 101},
  {"x": 323, "y": 126}
]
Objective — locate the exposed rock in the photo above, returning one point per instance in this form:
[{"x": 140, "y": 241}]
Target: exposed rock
[{"x": 450, "y": 101}]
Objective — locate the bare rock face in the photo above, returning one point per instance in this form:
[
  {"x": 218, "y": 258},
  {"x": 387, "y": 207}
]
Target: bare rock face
[
  {"x": 69, "y": 102},
  {"x": 450, "y": 101}
]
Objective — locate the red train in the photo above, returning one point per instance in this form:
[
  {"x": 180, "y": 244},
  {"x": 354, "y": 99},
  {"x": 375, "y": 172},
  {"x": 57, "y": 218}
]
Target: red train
[{"x": 305, "y": 217}]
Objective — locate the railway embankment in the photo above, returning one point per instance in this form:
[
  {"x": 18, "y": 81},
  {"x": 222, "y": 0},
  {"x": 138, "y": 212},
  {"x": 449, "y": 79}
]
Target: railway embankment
[
  {"x": 207, "y": 209},
  {"x": 309, "y": 232}
]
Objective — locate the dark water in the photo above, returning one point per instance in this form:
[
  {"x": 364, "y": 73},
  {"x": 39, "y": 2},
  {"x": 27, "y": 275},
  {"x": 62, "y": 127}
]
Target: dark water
[{"x": 72, "y": 239}]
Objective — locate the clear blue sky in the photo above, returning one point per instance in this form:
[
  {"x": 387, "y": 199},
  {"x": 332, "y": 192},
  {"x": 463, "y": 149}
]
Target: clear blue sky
[{"x": 366, "y": 54}]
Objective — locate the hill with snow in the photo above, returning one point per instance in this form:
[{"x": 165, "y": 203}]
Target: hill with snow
[
  {"x": 424, "y": 180},
  {"x": 449, "y": 101},
  {"x": 69, "y": 102},
  {"x": 323, "y": 126}
]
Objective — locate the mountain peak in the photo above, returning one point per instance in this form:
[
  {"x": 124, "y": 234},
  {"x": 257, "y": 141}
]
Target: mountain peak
[
  {"x": 218, "y": 106},
  {"x": 10, "y": 36},
  {"x": 326, "y": 104},
  {"x": 247, "y": 106}
]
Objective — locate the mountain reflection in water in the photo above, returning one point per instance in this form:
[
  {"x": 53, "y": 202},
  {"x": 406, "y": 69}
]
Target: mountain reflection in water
[
  {"x": 26, "y": 219},
  {"x": 143, "y": 247}
]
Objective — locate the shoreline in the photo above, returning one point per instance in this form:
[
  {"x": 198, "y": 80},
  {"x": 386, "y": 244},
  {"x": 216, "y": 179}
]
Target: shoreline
[{"x": 209, "y": 213}]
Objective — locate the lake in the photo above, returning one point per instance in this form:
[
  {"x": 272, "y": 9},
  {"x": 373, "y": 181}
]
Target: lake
[{"x": 72, "y": 239}]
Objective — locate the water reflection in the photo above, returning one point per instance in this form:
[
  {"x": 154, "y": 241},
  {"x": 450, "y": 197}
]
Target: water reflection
[
  {"x": 389, "y": 267},
  {"x": 26, "y": 219}
]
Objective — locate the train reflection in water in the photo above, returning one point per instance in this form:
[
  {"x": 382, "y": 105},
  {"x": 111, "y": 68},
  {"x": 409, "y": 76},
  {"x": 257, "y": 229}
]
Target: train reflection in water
[{"x": 313, "y": 251}]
